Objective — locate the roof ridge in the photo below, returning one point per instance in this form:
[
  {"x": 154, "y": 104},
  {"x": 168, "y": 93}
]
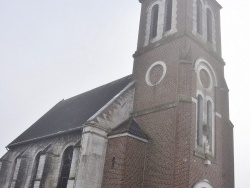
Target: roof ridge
[{"x": 109, "y": 83}]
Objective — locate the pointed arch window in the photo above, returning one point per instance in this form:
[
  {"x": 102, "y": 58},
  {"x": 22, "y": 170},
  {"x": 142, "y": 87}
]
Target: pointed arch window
[
  {"x": 16, "y": 170},
  {"x": 66, "y": 165},
  {"x": 199, "y": 120},
  {"x": 36, "y": 163},
  {"x": 39, "y": 164},
  {"x": 169, "y": 6},
  {"x": 199, "y": 17},
  {"x": 209, "y": 26},
  {"x": 154, "y": 20}
]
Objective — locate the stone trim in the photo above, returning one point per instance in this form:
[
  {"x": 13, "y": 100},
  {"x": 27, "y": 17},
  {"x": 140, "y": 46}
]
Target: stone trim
[
  {"x": 218, "y": 114},
  {"x": 40, "y": 167},
  {"x": 184, "y": 98},
  {"x": 111, "y": 101},
  {"x": 147, "y": 76},
  {"x": 115, "y": 113},
  {"x": 207, "y": 94},
  {"x": 206, "y": 98},
  {"x": 17, "y": 167},
  {"x": 129, "y": 135},
  {"x": 204, "y": 183},
  {"x": 180, "y": 35},
  {"x": 231, "y": 124},
  {"x": 203, "y": 37},
  {"x": 13, "y": 184},
  {"x": 174, "y": 19},
  {"x": 15, "y": 172},
  {"x": 195, "y": 18},
  {"x": 213, "y": 44},
  {"x": 92, "y": 157},
  {"x": 200, "y": 153},
  {"x": 202, "y": 63},
  {"x": 161, "y": 21},
  {"x": 37, "y": 184},
  {"x": 74, "y": 163},
  {"x": 47, "y": 136},
  {"x": 194, "y": 100},
  {"x": 155, "y": 109}
]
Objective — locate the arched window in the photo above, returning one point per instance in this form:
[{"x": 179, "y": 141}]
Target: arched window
[
  {"x": 199, "y": 120},
  {"x": 16, "y": 170},
  {"x": 206, "y": 85},
  {"x": 210, "y": 122},
  {"x": 38, "y": 168},
  {"x": 35, "y": 168},
  {"x": 66, "y": 164},
  {"x": 199, "y": 17},
  {"x": 169, "y": 5},
  {"x": 209, "y": 26},
  {"x": 154, "y": 20}
]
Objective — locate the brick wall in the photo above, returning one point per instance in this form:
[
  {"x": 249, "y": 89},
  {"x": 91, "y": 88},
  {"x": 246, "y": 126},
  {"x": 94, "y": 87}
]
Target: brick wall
[
  {"x": 171, "y": 161},
  {"x": 128, "y": 167},
  {"x": 112, "y": 176},
  {"x": 159, "y": 164},
  {"x": 228, "y": 156}
]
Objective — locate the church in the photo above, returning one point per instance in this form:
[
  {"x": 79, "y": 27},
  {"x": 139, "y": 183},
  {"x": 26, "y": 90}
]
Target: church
[{"x": 166, "y": 125}]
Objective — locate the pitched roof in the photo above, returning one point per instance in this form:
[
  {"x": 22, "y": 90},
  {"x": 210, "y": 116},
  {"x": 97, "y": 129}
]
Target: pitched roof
[
  {"x": 72, "y": 113},
  {"x": 129, "y": 126}
]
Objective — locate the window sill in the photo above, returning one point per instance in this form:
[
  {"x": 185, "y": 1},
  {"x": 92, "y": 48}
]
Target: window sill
[{"x": 202, "y": 155}]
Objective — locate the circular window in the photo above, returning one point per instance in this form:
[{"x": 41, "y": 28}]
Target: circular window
[
  {"x": 205, "y": 78},
  {"x": 155, "y": 73}
]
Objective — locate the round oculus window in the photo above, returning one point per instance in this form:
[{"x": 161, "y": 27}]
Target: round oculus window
[
  {"x": 205, "y": 78},
  {"x": 155, "y": 73}
]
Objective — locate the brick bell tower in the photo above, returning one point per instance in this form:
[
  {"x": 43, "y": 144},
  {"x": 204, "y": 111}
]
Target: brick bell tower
[{"x": 181, "y": 96}]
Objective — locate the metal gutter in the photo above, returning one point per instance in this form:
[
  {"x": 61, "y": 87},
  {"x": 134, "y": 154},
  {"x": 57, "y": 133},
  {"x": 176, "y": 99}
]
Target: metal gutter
[{"x": 47, "y": 136}]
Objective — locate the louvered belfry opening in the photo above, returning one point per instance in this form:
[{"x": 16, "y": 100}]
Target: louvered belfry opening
[
  {"x": 154, "y": 24},
  {"x": 199, "y": 17},
  {"x": 209, "y": 26},
  {"x": 169, "y": 5}
]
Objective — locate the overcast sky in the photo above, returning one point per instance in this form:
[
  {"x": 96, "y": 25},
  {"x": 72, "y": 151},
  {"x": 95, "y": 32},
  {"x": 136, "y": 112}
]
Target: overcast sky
[{"x": 54, "y": 49}]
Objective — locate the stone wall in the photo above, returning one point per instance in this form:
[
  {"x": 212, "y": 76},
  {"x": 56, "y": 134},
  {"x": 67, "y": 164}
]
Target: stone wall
[{"x": 52, "y": 149}]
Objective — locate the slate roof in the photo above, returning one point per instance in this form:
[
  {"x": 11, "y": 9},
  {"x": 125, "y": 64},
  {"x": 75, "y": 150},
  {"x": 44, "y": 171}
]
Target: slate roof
[
  {"x": 72, "y": 113},
  {"x": 129, "y": 126}
]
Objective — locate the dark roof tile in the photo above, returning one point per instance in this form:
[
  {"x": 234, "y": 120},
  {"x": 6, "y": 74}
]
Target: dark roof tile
[
  {"x": 129, "y": 126},
  {"x": 73, "y": 112}
]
